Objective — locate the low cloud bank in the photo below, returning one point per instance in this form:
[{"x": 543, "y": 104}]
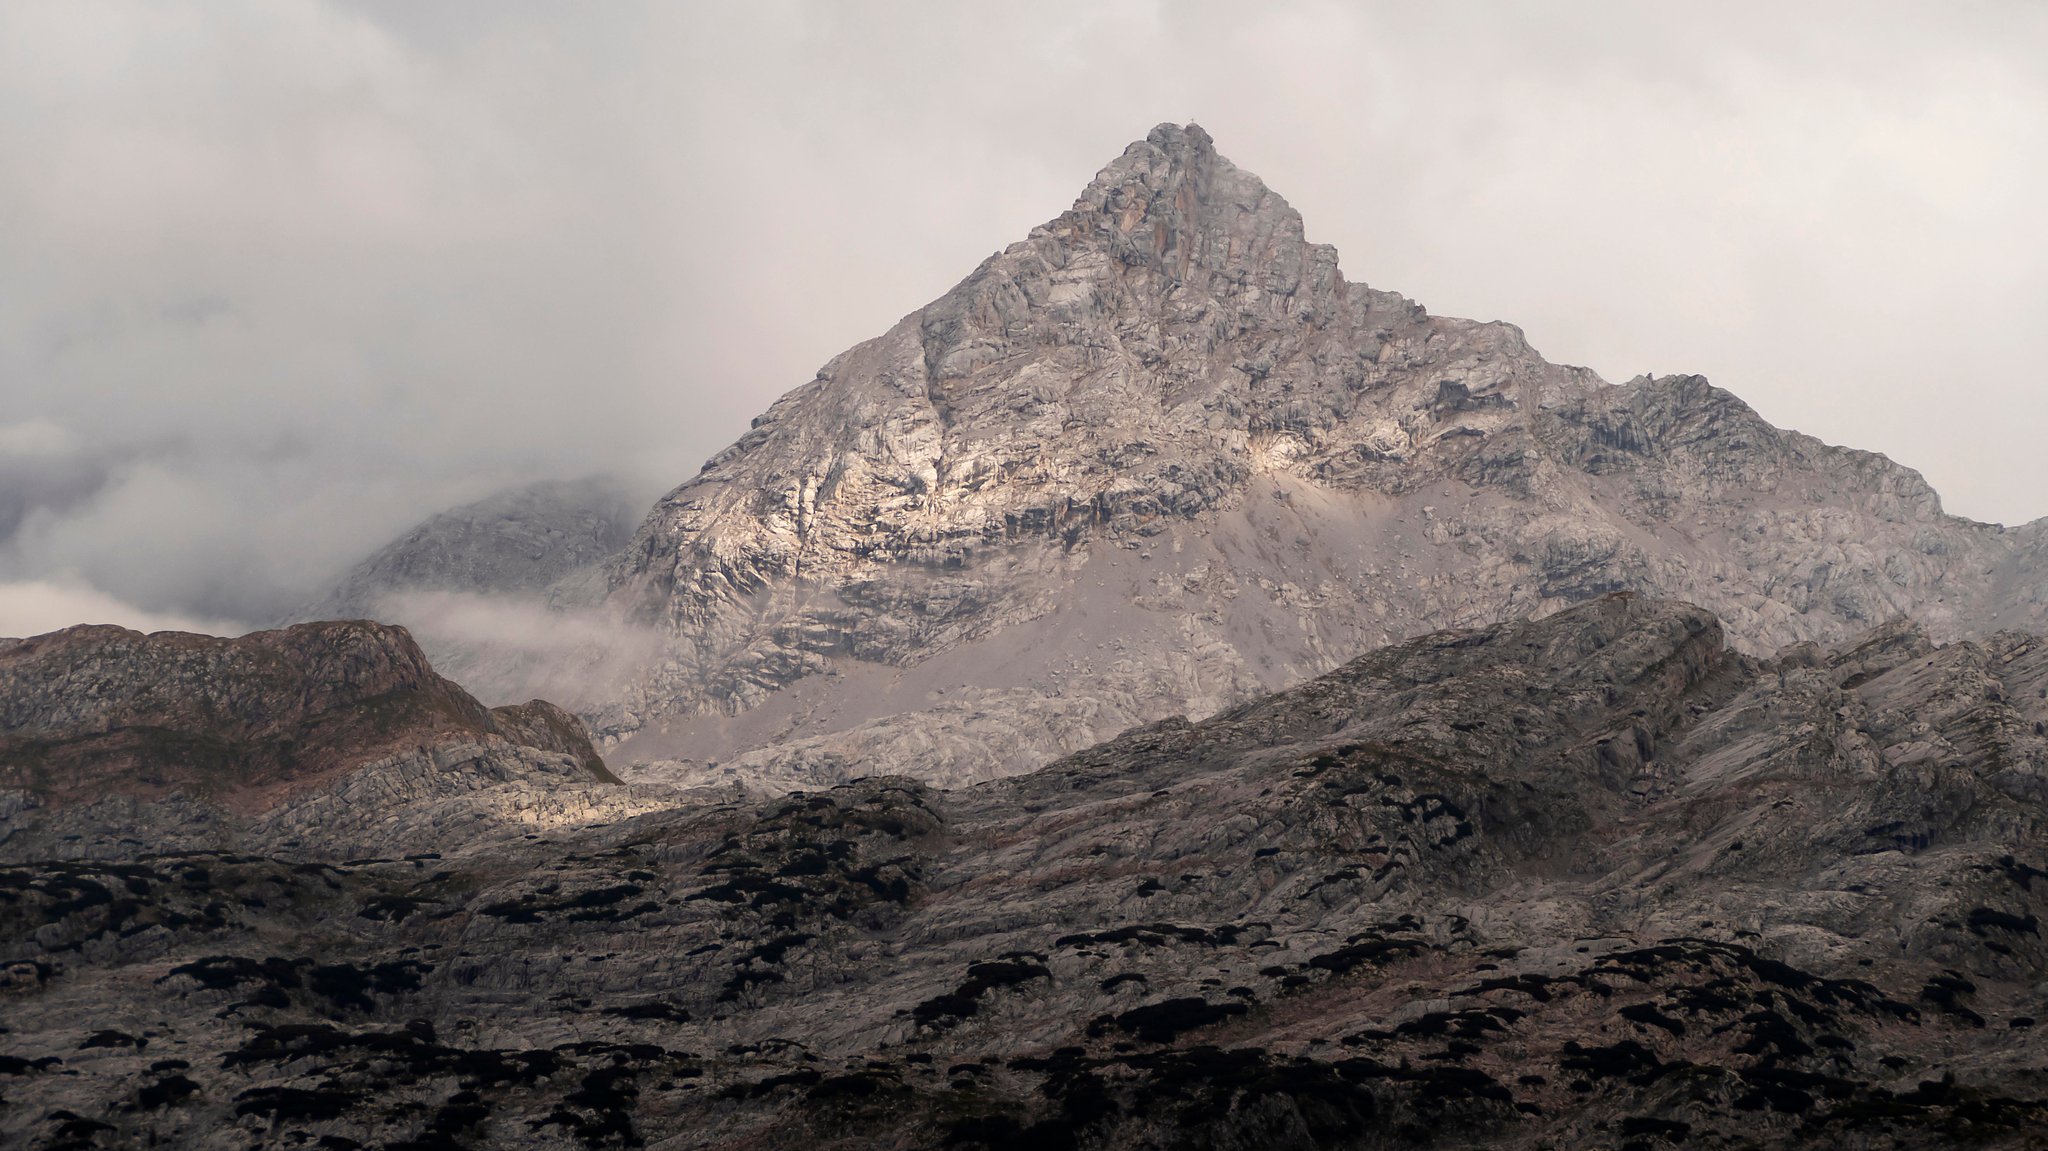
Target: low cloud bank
[
  {"x": 509, "y": 649},
  {"x": 33, "y": 607}
]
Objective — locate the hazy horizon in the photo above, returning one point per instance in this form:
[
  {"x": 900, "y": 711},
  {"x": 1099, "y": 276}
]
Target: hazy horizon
[{"x": 284, "y": 278}]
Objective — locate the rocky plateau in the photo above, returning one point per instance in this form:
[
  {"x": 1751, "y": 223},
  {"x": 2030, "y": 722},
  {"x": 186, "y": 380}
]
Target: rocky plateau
[{"x": 1597, "y": 879}]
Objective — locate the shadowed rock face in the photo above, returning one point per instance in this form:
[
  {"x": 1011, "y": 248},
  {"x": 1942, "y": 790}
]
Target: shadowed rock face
[
  {"x": 1161, "y": 457},
  {"x": 106, "y": 732},
  {"x": 94, "y": 708},
  {"x": 1592, "y": 880}
]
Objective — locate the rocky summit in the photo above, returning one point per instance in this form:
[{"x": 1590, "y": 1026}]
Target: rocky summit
[
  {"x": 1161, "y": 457},
  {"x": 1598, "y": 879}
]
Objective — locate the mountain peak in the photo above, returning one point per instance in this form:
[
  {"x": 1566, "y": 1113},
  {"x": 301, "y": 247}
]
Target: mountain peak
[
  {"x": 1160, "y": 456},
  {"x": 1188, "y": 149},
  {"x": 1171, "y": 203}
]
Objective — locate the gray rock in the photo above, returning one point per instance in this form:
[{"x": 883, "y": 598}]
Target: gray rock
[
  {"x": 1161, "y": 456},
  {"x": 331, "y": 739}
]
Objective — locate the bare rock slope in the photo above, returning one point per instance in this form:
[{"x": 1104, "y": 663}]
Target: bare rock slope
[
  {"x": 329, "y": 738},
  {"x": 1161, "y": 456},
  {"x": 1592, "y": 880}
]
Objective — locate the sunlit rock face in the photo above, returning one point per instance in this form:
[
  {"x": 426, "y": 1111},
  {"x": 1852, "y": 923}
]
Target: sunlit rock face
[
  {"x": 1161, "y": 456},
  {"x": 1596, "y": 879}
]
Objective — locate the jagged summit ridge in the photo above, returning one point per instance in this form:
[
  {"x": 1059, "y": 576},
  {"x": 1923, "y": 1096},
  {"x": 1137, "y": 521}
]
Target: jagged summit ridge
[
  {"x": 1170, "y": 202},
  {"x": 1160, "y": 456}
]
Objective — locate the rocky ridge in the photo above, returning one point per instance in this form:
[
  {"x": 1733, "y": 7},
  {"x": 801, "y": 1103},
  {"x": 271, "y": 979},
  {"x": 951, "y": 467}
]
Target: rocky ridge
[
  {"x": 330, "y": 739},
  {"x": 1596, "y": 879},
  {"x": 1161, "y": 456}
]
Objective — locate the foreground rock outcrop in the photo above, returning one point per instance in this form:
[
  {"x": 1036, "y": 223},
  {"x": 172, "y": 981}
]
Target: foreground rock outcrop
[
  {"x": 331, "y": 738},
  {"x": 1160, "y": 457},
  {"x": 1597, "y": 879}
]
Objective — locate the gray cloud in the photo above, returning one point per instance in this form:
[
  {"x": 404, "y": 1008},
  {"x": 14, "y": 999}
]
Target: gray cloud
[
  {"x": 363, "y": 260},
  {"x": 508, "y": 649}
]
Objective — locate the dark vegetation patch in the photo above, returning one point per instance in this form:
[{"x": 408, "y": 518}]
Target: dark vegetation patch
[
  {"x": 1160, "y": 935},
  {"x": 89, "y": 901},
  {"x": 1959, "y": 1115},
  {"x": 1718, "y": 968},
  {"x": 168, "y": 1091},
  {"x": 1371, "y": 952},
  {"x": 1167, "y": 1020},
  {"x": 594, "y": 905},
  {"x": 272, "y": 980},
  {"x": 599, "y": 1112},
  {"x": 1649, "y": 1015},
  {"x": 652, "y": 1011},
  {"x": 111, "y": 1038},
  {"x": 1671, "y": 1130},
  {"x": 414, "y": 1050},
  {"x": 1380, "y": 944},
  {"x": 761, "y": 965},
  {"x": 849, "y": 854},
  {"x": 2021, "y": 874},
  {"x": 1206, "y": 1097},
  {"x": 857, "y": 1086},
  {"x": 1467, "y": 1024},
  {"x": 1983, "y": 920},
  {"x": 392, "y": 908},
  {"x": 597, "y": 1086},
  {"x": 964, "y": 1001},
  {"x": 452, "y": 1126},
  {"x": 283, "y": 1105},
  {"x": 144, "y": 907},
  {"x": 1947, "y": 991}
]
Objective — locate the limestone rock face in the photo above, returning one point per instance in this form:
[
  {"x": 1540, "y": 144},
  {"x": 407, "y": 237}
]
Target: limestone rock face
[
  {"x": 1596, "y": 879},
  {"x": 307, "y": 736},
  {"x": 1161, "y": 456}
]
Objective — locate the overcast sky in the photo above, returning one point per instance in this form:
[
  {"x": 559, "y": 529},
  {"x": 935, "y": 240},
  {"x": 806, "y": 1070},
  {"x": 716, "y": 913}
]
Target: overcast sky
[{"x": 278, "y": 278}]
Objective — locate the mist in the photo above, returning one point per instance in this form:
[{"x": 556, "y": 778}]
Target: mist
[
  {"x": 510, "y": 649},
  {"x": 279, "y": 279}
]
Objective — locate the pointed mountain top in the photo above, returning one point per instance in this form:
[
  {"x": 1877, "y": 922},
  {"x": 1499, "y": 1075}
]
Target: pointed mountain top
[{"x": 1174, "y": 194}]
